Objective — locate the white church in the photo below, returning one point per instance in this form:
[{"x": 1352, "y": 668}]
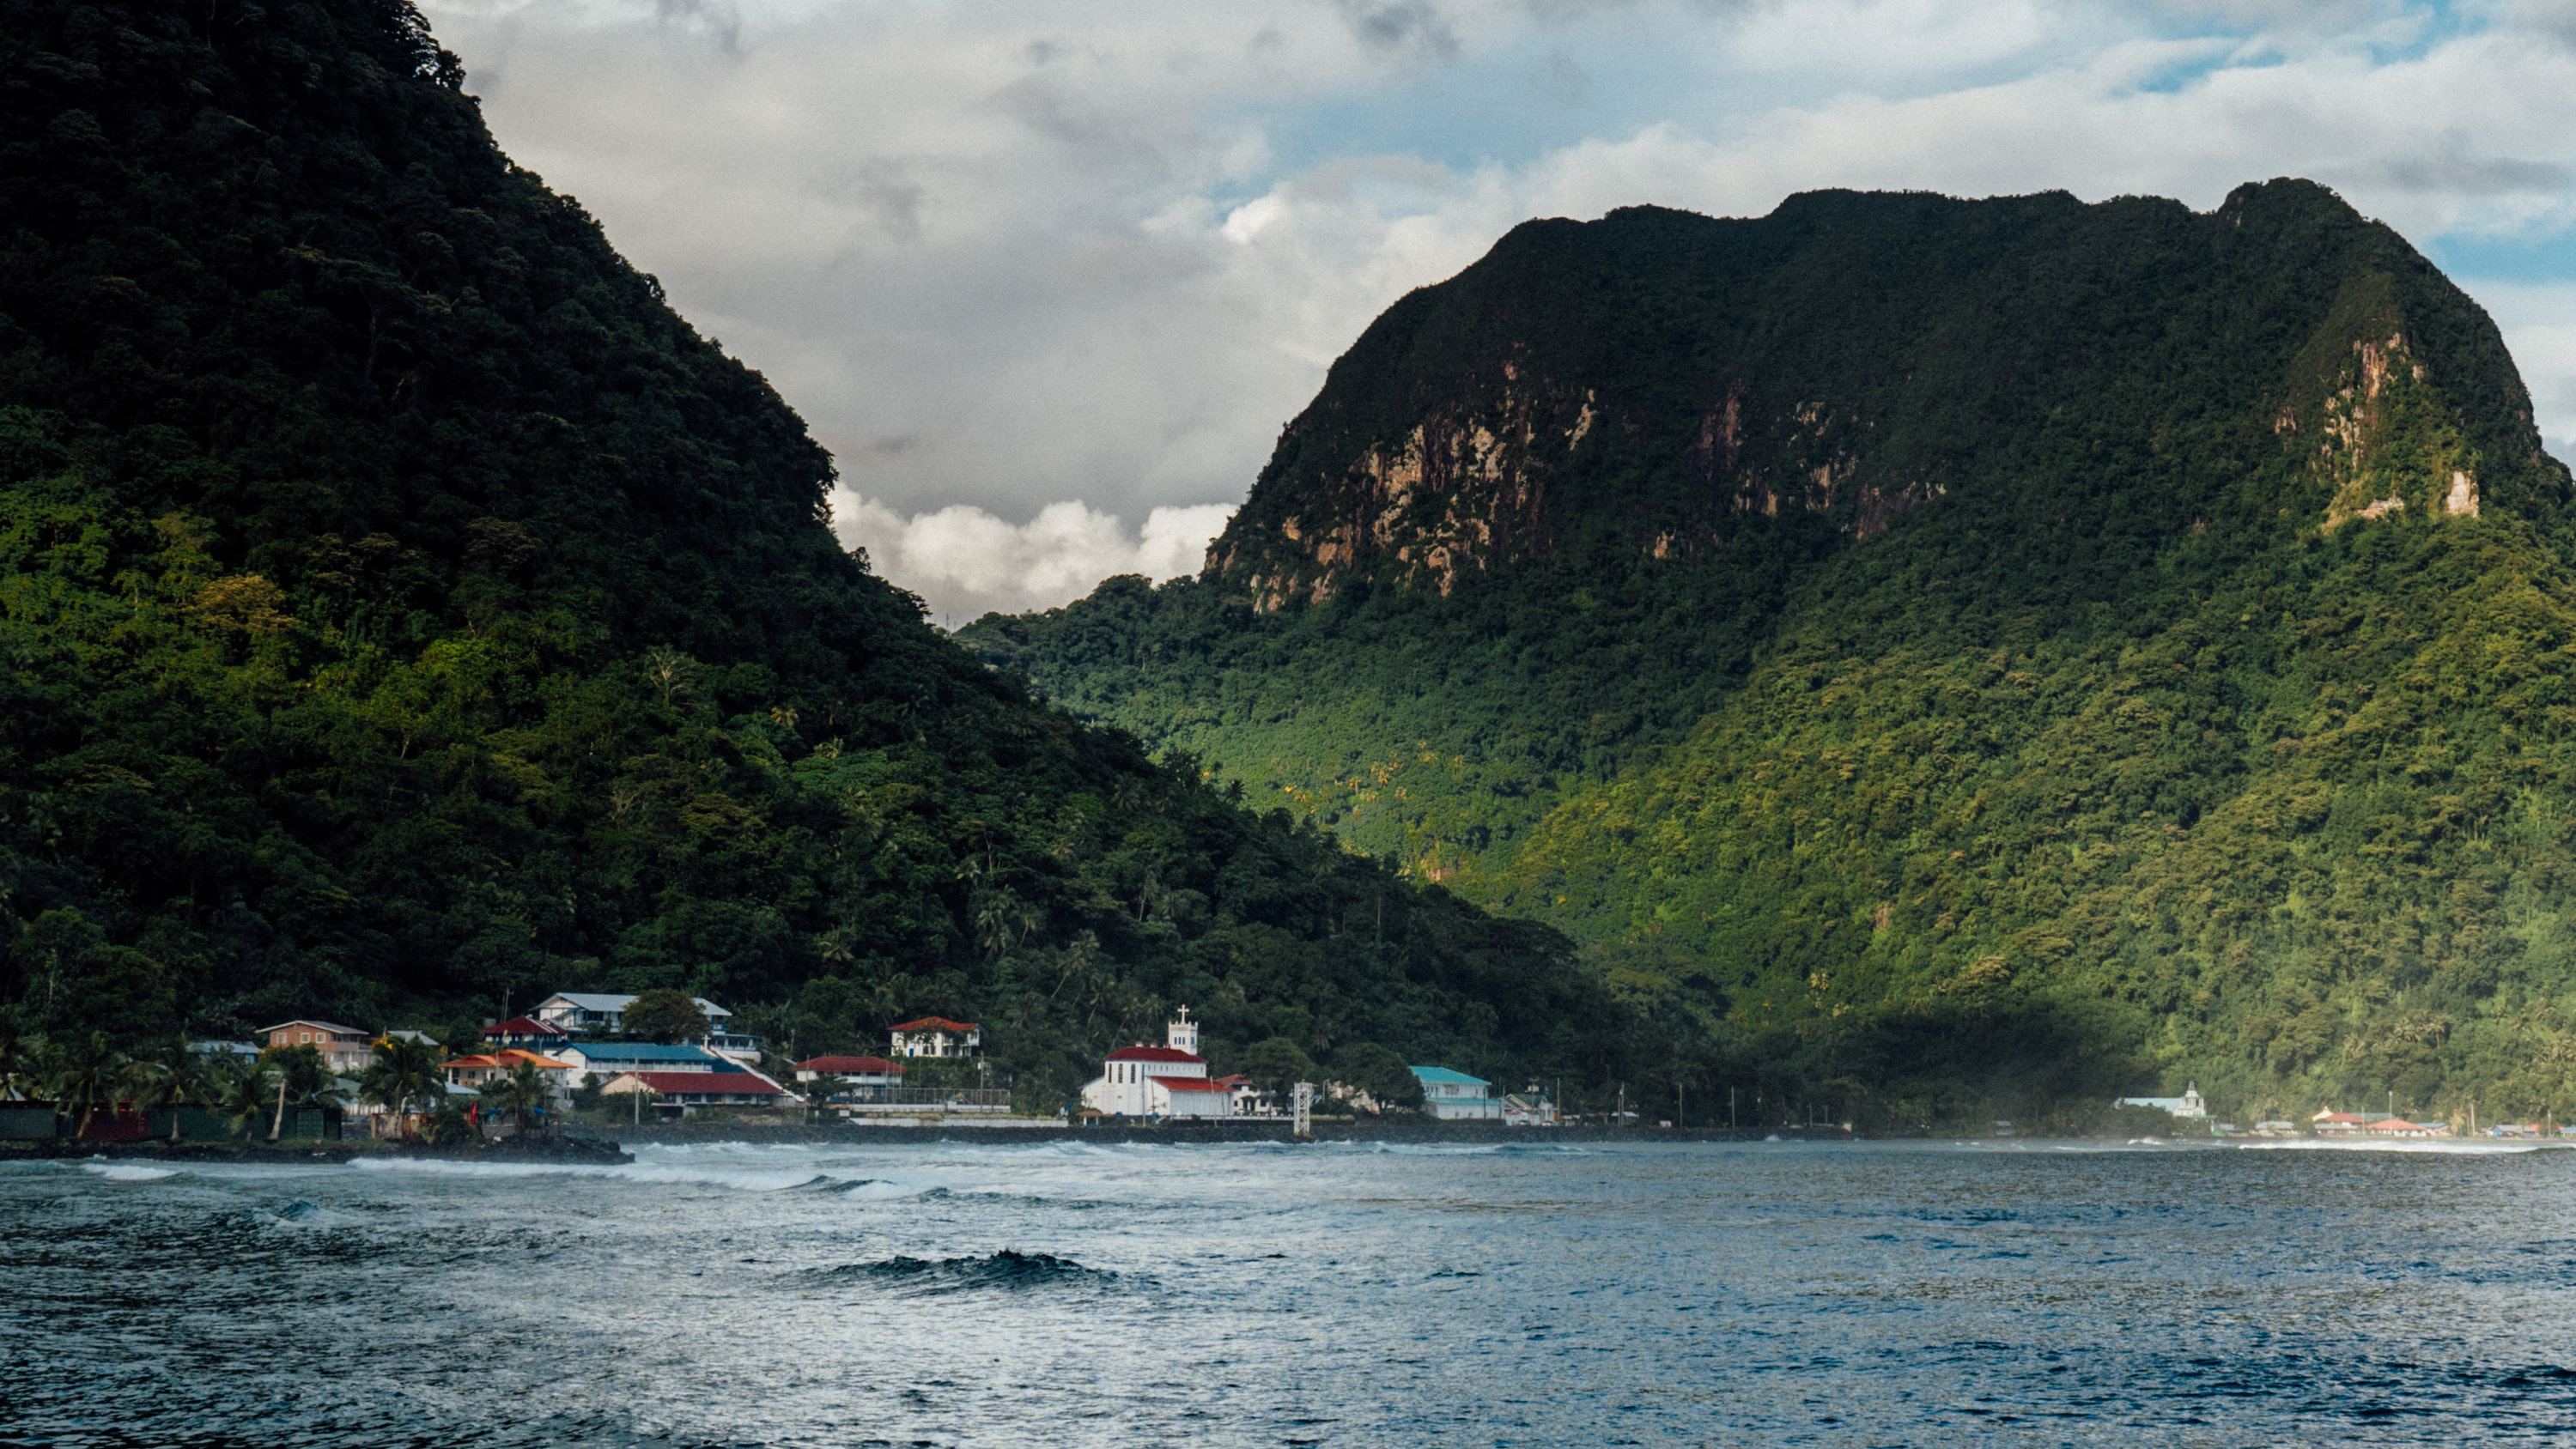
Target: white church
[{"x": 1170, "y": 1080}]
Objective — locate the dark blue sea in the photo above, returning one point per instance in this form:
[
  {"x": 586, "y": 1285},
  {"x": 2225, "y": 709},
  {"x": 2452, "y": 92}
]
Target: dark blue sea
[{"x": 1522, "y": 1294}]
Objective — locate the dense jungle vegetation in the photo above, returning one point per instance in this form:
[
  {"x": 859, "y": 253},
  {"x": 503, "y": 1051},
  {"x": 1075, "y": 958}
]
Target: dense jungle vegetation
[
  {"x": 405, "y": 613},
  {"x": 1959, "y": 653}
]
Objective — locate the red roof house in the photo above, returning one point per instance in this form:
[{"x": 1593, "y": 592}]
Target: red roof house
[
  {"x": 696, "y": 1089},
  {"x": 935, "y": 1036}
]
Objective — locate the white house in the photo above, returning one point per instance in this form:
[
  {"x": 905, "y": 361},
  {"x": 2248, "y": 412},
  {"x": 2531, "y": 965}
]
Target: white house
[
  {"x": 1456, "y": 1097},
  {"x": 936, "y": 1036},
  {"x": 853, "y": 1071},
  {"x": 1170, "y": 1080},
  {"x": 2186, "y": 1105},
  {"x": 1250, "y": 1100},
  {"x": 1528, "y": 1108}
]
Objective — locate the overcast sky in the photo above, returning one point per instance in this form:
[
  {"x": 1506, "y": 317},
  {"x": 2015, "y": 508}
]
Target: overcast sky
[{"x": 1047, "y": 278}]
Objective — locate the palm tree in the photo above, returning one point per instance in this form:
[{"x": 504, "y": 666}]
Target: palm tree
[
  {"x": 172, "y": 1077},
  {"x": 241, "y": 1092},
  {"x": 523, "y": 1089},
  {"x": 22, "y": 1058},
  {"x": 92, "y": 1075},
  {"x": 405, "y": 1071}
]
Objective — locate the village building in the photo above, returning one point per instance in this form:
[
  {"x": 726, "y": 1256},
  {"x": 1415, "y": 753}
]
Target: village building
[
  {"x": 2335, "y": 1124},
  {"x": 869, "y": 1080},
  {"x": 601, "y": 1060},
  {"x": 2188, "y": 1104},
  {"x": 1529, "y": 1107},
  {"x": 592, "y": 1013},
  {"x": 936, "y": 1036},
  {"x": 1456, "y": 1097},
  {"x": 346, "y": 1051},
  {"x": 856, "y": 1071},
  {"x": 472, "y": 1072},
  {"x": 528, "y": 1032},
  {"x": 1249, "y": 1100},
  {"x": 1170, "y": 1080},
  {"x": 679, "y": 1093}
]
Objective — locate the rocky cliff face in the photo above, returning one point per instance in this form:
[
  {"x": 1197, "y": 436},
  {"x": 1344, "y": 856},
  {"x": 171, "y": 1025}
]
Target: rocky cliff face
[{"x": 1658, "y": 385}]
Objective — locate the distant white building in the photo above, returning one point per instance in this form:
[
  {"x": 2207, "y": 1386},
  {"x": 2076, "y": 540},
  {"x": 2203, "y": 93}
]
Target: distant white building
[
  {"x": 2186, "y": 1105},
  {"x": 1456, "y": 1097},
  {"x": 1170, "y": 1080},
  {"x": 1528, "y": 1108},
  {"x": 936, "y": 1036}
]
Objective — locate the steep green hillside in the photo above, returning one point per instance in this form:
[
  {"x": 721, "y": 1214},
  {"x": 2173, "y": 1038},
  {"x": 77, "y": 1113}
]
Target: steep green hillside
[
  {"x": 1932, "y": 641},
  {"x": 405, "y": 612}
]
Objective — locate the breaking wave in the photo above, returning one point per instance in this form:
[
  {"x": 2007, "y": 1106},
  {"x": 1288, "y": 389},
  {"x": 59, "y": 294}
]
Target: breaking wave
[{"x": 1007, "y": 1271}]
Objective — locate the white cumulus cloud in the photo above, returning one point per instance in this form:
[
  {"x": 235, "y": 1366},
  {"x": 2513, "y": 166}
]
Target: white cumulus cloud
[
  {"x": 1075, "y": 265},
  {"x": 965, "y": 561}
]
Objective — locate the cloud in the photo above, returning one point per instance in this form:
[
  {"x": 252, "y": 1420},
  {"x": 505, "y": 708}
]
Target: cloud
[
  {"x": 1008, "y": 255},
  {"x": 965, "y": 561}
]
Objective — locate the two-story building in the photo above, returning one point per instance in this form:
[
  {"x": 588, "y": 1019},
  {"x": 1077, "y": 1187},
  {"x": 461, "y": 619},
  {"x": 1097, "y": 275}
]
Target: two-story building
[
  {"x": 857, "y": 1079},
  {"x": 527, "y": 1032},
  {"x": 603, "y": 1013},
  {"x": 346, "y": 1051},
  {"x": 1170, "y": 1080},
  {"x": 936, "y": 1036},
  {"x": 472, "y": 1072},
  {"x": 597, "y": 1061},
  {"x": 1456, "y": 1097}
]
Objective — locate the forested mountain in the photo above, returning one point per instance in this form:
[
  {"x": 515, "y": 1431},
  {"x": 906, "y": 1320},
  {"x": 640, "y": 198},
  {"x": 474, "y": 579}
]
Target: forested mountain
[
  {"x": 1951, "y": 649},
  {"x": 404, "y": 612}
]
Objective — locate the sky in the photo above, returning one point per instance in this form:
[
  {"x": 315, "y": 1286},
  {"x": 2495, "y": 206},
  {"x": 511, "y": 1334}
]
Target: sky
[{"x": 1049, "y": 278}]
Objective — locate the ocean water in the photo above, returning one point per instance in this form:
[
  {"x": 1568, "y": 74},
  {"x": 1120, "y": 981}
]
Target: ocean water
[{"x": 1521, "y": 1294}]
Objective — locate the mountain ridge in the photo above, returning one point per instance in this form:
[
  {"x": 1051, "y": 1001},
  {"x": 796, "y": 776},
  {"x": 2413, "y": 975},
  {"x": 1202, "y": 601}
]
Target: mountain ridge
[
  {"x": 2250, "y": 445},
  {"x": 406, "y": 612}
]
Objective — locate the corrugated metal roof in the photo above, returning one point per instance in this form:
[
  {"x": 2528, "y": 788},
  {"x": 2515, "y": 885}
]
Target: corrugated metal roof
[
  {"x": 635, "y": 1051},
  {"x": 1443, "y": 1074}
]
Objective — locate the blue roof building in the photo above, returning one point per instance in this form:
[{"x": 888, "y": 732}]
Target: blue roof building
[
  {"x": 601, "y": 1060},
  {"x": 1456, "y": 1097}
]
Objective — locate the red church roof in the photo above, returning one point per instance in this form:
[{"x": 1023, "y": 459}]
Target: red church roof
[
  {"x": 1154, "y": 1054},
  {"x": 935, "y": 1023},
  {"x": 851, "y": 1066},
  {"x": 1190, "y": 1084}
]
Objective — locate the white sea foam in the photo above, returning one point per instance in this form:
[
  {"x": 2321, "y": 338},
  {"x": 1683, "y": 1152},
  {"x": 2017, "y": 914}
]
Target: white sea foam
[
  {"x": 129, "y": 1171},
  {"x": 747, "y": 1178},
  {"x": 2390, "y": 1144}
]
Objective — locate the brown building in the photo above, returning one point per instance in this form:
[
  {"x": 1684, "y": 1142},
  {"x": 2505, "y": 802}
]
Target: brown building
[{"x": 346, "y": 1050}]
